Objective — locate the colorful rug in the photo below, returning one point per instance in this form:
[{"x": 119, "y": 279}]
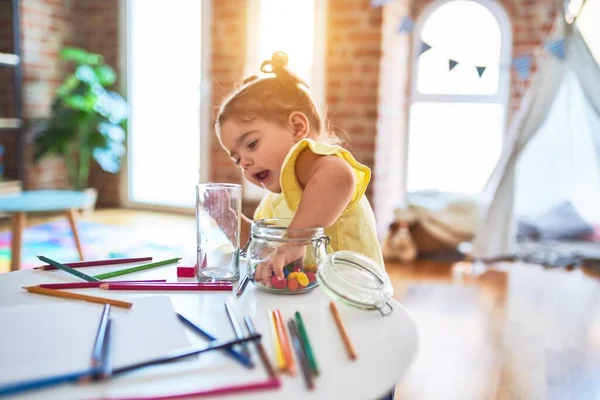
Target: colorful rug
[{"x": 99, "y": 241}]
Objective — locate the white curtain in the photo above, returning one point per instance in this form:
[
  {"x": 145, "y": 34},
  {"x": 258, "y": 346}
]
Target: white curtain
[{"x": 496, "y": 234}]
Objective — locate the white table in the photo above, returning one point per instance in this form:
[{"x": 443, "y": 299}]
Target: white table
[{"x": 386, "y": 346}]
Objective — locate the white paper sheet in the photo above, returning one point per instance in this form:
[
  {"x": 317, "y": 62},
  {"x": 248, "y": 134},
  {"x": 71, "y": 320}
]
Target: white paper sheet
[{"x": 50, "y": 339}]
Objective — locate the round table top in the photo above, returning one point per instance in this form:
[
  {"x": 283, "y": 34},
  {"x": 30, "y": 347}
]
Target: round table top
[
  {"x": 385, "y": 346},
  {"x": 44, "y": 200}
]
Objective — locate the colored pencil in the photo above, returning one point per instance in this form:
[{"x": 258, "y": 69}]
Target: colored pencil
[
  {"x": 237, "y": 329},
  {"x": 106, "y": 368},
  {"x": 99, "y": 344},
  {"x": 178, "y": 354},
  {"x": 300, "y": 355},
  {"x": 261, "y": 350},
  {"x": 77, "y": 296},
  {"x": 285, "y": 342},
  {"x": 40, "y": 383},
  {"x": 165, "y": 286},
  {"x": 242, "y": 285},
  {"x": 272, "y": 383},
  {"x": 137, "y": 269},
  {"x": 338, "y": 321},
  {"x": 279, "y": 357},
  {"x": 310, "y": 355},
  {"x": 244, "y": 360},
  {"x": 69, "y": 270},
  {"x": 95, "y": 263},
  {"x": 87, "y": 285}
]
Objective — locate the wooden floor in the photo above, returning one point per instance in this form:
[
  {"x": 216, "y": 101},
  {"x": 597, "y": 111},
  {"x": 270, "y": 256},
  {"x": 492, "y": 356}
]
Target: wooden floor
[{"x": 511, "y": 331}]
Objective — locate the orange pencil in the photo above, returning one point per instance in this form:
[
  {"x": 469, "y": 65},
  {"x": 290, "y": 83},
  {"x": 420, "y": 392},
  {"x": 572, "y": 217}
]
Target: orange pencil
[
  {"x": 77, "y": 296},
  {"x": 285, "y": 343},
  {"x": 343, "y": 333}
]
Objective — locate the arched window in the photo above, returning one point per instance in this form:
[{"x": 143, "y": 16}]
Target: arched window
[{"x": 459, "y": 94}]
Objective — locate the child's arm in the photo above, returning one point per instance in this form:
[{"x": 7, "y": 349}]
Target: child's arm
[{"x": 328, "y": 184}]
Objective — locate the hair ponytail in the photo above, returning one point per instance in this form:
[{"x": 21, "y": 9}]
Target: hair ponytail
[{"x": 278, "y": 66}]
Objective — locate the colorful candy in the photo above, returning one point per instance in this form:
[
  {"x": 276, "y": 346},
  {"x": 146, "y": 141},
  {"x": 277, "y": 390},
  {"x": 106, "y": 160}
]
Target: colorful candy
[{"x": 296, "y": 278}]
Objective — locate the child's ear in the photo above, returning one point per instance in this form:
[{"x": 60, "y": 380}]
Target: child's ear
[{"x": 299, "y": 125}]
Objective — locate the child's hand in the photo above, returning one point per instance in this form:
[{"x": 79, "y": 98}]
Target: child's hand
[{"x": 281, "y": 257}]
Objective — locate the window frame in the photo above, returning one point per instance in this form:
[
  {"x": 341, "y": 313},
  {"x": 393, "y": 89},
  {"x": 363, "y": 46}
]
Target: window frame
[{"x": 205, "y": 102}]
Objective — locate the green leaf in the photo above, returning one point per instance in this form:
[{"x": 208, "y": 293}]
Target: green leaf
[
  {"x": 67, "y": 86},
  {"x": 80, "y": 56},
  {"x": 105, "y": 74},
  {"x": 77, "y": 102}
]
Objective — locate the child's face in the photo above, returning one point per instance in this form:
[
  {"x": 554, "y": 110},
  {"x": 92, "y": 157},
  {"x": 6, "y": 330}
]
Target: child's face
[{"x": 259, "y": 148}]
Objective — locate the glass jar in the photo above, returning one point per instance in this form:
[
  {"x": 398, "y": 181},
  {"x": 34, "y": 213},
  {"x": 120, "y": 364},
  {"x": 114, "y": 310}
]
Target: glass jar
[
  {"x": 355, "y": 280},
  {"x": 306, "y": 247}
]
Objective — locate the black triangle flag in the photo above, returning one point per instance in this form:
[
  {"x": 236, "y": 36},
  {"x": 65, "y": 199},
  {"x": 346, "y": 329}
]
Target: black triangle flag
[
  {"x": 424, "y": 47},
  {"x": 452, "y": 64},
  {"x": 480, "y": 70}
]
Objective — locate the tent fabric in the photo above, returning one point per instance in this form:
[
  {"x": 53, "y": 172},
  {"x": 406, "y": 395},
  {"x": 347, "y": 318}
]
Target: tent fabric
[{"x": 496, "y": 234}]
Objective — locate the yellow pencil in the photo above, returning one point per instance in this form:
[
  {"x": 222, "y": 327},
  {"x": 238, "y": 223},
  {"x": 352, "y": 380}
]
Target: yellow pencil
[{"x": 280, "y": 359}]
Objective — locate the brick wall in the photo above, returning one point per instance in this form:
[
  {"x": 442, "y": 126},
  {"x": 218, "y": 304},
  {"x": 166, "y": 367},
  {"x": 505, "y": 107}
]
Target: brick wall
[
  {"x": 352, "y": 70},
  {"x": 228, "y": 28},
  {"x": 98, "y": 32}
]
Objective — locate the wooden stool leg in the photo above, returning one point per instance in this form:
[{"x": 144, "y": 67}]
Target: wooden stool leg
[
  {"x": 18, "y": 224},
  {"x": 72, "y": 216}
]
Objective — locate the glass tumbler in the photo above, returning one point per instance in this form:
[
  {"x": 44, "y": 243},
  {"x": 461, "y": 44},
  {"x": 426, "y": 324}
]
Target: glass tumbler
[{"x": 218, "y": 217}]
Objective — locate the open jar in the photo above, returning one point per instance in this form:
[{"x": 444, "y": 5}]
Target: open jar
[{"x": 306, "y": 247}]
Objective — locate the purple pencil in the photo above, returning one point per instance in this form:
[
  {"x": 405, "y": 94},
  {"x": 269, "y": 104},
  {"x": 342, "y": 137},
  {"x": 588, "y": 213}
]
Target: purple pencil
[
  {"x": 166, "y": 286},
  {"x": 96, "y": 263},
  {"x": 86, "y": 285}
]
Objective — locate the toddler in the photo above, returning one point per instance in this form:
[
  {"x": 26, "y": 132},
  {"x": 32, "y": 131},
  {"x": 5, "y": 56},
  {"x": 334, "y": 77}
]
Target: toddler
[{"x": 274, "y": 131}]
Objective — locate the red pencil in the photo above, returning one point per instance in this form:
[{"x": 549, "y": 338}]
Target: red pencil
[
  {"x": 85, "y": 285},
  {"x": 166, "y": 286},
  {"x": 96, "y": 263}
]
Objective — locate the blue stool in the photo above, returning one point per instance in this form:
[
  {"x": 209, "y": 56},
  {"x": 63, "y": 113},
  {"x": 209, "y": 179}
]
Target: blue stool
[{"x": 18, "y": 205}]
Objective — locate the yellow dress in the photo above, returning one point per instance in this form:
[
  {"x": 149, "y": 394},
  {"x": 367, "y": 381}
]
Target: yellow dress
[{"x": 355, "y": 229}]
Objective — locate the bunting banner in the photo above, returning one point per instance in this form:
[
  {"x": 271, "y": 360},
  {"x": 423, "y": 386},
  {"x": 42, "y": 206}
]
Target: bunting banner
[
  {"x": 521, "y": 64},
  {"x": 556, "y": 47},
  {"x": 480, "y": 70},
  {"x": 452, "y": 64},
  {"x": 406, "y": 25},
  {"x": 424, "y": 47}
]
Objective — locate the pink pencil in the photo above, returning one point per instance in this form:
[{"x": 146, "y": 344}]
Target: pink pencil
[
  {"x": 166, "y": 286},
  {"x": 272, "y": 383},
  {"x": 96, "y": 263},
  {"x": 85, "y": 285}
]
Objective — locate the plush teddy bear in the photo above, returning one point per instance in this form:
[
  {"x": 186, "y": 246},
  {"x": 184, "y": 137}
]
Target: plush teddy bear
[{"x": 399, "y": 244}]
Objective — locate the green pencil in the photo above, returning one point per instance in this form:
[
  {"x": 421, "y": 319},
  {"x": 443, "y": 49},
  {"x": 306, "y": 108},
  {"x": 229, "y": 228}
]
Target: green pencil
[
  {"x": 68, "y": 269},
  {"x": 136, "y": 269},
  {"x": 309, "y": 351}
]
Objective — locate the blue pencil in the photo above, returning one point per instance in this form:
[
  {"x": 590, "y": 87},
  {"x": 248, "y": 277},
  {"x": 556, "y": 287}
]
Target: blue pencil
[
  {"x": 237, "y": 355},
  {"x": 40, "y": 383}
]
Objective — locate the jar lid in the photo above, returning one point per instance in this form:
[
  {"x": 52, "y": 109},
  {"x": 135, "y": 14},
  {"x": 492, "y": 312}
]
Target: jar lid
[{"x": 356, "y": 280}]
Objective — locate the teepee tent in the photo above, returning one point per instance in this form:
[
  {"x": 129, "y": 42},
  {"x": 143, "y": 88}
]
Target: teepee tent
[{"x": 552, "y": 151}]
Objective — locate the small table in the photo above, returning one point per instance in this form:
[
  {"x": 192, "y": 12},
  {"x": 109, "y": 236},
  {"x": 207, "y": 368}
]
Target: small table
[
  {"x": 386, "y": 346},
  {"x": 41, "y": 201}
]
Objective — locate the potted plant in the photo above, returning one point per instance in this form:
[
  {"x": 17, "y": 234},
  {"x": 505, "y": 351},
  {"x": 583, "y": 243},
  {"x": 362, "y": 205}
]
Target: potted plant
[{"x": 87, "y": 120}]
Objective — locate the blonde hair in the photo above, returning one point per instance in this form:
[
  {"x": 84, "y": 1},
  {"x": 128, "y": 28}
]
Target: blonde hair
[{"x": 274, "y": 97}]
